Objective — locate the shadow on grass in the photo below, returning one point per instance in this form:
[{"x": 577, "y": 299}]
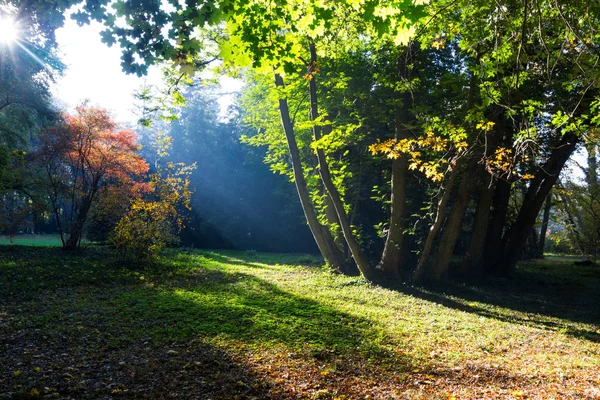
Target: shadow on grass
[
  {"x": 87, "y": 327},
  {"x": 237, "y": 306},
  {"x": 97, "y": 329},
  {"x": 550, "y": 295}
]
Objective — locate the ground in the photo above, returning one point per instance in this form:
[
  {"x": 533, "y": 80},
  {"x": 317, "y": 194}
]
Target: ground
[{"x": 244, "y": 325}]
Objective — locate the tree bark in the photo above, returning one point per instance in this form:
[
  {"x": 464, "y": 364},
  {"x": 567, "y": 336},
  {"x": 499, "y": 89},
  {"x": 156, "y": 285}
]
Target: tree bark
[
  {"x": 544, "y": 228},
  {"x": 539, "y": 188},
  {"x": 361, "y": 262},
  {"x": 77, "y": 228},
  {"x": 568, "y": 208},
  {"x": 333, "y": 220},
  {"x": 332, "y": 255},
  {"x": 422, "y": 271},
  {"x": 438, "y": 265},
  {"x": 472, "y": 268},
  {"x": 499, "y": 211}
]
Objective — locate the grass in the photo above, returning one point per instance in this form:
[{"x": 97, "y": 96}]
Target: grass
[
  {"x": 44, "y": 240},
  {"x": 246, "y": 325}
]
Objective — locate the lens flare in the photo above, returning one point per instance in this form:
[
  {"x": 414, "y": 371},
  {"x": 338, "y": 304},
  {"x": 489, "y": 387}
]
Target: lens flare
[{"x": 9, "y": 31}]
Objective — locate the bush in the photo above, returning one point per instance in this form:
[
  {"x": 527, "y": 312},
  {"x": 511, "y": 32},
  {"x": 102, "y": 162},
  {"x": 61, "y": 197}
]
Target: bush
[
  {"x": 154, "y": 222},
  {"x": 145, "y": 230}
]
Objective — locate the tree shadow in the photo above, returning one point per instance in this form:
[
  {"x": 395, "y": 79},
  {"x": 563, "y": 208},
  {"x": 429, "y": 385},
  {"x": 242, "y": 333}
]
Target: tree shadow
[
  {"x": 94, "y": 329},
  {"x": 86, "y": 327},
  {"x": 551, "y": 295}
]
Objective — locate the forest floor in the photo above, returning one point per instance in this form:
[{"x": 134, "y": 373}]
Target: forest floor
[{"x": 245, "y": 325}]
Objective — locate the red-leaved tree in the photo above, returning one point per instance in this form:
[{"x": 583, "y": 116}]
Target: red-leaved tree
[{"x": 80, "y": 156}]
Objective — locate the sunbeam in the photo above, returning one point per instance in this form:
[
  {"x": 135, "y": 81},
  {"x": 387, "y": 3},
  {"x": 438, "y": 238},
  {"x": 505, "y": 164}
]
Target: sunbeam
[{"x": 31, "y": 54}]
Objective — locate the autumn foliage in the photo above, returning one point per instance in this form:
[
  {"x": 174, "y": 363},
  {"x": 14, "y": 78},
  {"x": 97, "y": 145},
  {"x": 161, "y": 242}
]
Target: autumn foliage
[
  {"x": 81, "y": 157},
  {"x": 154, "y": 220}
]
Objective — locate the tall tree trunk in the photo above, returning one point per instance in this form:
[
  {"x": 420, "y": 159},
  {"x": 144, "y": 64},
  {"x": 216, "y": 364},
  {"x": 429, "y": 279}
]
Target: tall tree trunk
[
  {"x": 533, "y": 245},
  {"x": 592, "y": 169},
  {"x": 539, "y": 188},
  {"x": 361, "y": 262},
  {"x": 436, "y": 268},
  {"x": 575, "y": 226},
  {"x": 391, "y": 258},
  {"x": 473, "y": 267},
  {"x": 422, "y": 271},
  {"x": 332, "y": 255},
  {"x": 77, "y": 229},
  {"x": 499, "y": 212},
  {"x": 332, "y": 220},
  {"x": 544, "y": 228}
]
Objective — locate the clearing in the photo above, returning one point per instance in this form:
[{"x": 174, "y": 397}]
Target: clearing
[{"x": 242, "y": 325}]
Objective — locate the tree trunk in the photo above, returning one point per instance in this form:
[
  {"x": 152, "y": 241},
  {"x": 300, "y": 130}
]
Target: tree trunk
[
  {"x": 332, "y": 255},
  {"x": 391, "y": 258},
  {"x": 472, "y": 268},
  {"x": 332, "y": 220},
  {"x": 77, "y": 228},
  {"x": 361, "y": 262},
  {"x": 574, "y": 226},
  {"x": 436, "y": 269},
  {"x": 532, "y": 248},
  {"x": 544, "y": 229},
  {"x": 422, "y": 272},
  {"x": 539, "y": 188},
  {"x": 499, "y": 211}
]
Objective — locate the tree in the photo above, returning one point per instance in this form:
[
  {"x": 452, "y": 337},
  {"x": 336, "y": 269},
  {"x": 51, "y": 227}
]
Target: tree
[
  {"x": 80, "y": 156},
  {"x": 519, "y": 91}
]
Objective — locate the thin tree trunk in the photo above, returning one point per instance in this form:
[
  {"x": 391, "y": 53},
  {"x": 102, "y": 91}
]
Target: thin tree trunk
[
  {"x": 439, "y": 263},
  {"x": 544, "y": 229},
  {"x": 473, "y": 267},
  {"x": 421, "y": 274},
  {"x": 332, "y": 255},
  {"x": 332, "y": 220},
  {"x": 539, "y": 188},
  {"x": 574, "y": 226},
  {"x": 532, "y": 248},
  {"x": 499, "y": 212},
  {"x": 77, "y": 228},
  {"x": 361, "y": 262}
]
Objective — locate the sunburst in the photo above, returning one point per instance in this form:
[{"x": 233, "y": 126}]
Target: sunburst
[{"x": 9, "y": 31}]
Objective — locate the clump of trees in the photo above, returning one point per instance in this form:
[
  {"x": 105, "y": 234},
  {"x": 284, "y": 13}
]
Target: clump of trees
[
  {"x": 485, "y": 100},
  {"x": 412, "y": 132}
]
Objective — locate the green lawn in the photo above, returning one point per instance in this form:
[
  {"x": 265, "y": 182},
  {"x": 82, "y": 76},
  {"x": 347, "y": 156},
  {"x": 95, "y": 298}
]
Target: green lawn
[
  {"x": 34, "y": 240},
  {"x": 227, "y": 325},
  {"x": 31, "y": 240}
]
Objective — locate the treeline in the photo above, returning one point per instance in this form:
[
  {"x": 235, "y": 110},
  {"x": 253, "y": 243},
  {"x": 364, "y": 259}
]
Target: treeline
[{"x": 413, "y": 132}]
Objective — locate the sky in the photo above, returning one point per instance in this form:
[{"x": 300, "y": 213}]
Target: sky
[{"x": 94, "y": 73}]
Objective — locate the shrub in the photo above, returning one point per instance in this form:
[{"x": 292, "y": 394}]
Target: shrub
[{"x": 154, "y": 222}]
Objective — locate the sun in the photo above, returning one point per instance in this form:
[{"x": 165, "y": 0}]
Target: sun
[{"x": 9, "y": 31}]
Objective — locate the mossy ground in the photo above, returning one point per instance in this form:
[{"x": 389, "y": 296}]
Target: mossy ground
[{"x": 202, "y": 324}]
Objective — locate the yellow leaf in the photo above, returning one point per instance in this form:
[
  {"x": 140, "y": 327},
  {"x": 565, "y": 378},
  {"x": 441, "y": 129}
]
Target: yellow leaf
[
  {"x": 17, "y": 373},
  {"x": 34, "y": 392},
  {"x": 518, "y": 393}
]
